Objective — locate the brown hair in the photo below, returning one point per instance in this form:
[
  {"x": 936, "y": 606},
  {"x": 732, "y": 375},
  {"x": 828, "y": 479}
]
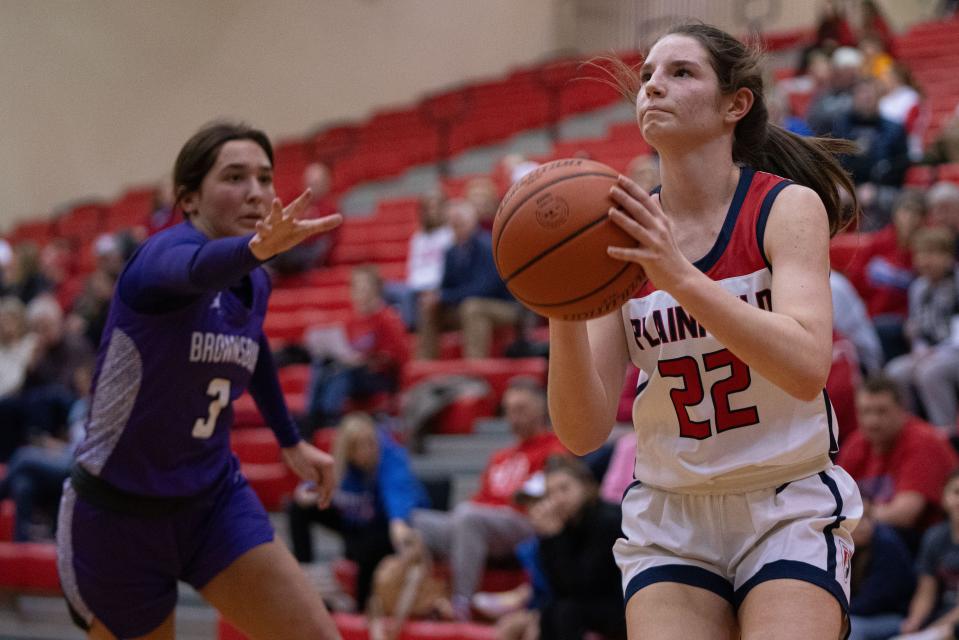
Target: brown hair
[
  {"x": 199, "y": 154},
  {"x": 575, "y": 469},
  {"x": 758, "y": 143},
  {"x": 880, "y": 384},
  {"x": 352, "y": 426},
  {"x": 934, "y": 240}
]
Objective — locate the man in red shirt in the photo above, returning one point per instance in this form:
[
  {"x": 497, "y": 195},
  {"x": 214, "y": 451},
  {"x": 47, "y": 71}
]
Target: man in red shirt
[
  {"x": 491, "y": 524},
  {"x": 900, "y": 462}
]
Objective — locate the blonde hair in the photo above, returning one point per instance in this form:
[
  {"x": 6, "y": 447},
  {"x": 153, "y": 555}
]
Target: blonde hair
[{"x": 351, "y": 427}]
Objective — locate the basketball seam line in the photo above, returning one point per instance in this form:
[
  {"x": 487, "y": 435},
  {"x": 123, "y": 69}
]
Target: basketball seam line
[
  {"x": 530, "y": 195},
  {"x": 582, "y": 297},
  {"x": 529, "y": 263}
]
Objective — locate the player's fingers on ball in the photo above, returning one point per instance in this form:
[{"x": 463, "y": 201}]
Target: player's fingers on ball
[
  {"x": 629, "y": 186},
  {"x": 627, "y": 254},
  {"x": 630, "y": 205},
  {"x": 630, "y": 226}
]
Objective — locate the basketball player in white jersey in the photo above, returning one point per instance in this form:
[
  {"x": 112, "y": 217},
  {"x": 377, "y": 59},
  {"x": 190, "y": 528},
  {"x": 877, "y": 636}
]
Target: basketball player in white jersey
[{"x": 738, "y": 522}]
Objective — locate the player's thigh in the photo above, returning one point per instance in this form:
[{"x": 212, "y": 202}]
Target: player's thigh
[
  {"x": 266, "y": 595},
  {"x": 790, "y": 609},
  {"x": 166, "y": 631},
  {"x": 671, "y": 610}
]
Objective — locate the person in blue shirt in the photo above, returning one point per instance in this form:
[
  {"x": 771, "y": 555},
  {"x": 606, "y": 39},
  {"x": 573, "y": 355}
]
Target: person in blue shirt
[
  {"x": 471, "y": 296},
  {"x": 375, "y": 494},
  {"x": 155, "y": 494}
]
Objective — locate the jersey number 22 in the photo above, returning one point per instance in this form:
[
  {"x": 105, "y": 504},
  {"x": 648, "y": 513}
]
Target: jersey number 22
[{"x": 693, "y": 393}]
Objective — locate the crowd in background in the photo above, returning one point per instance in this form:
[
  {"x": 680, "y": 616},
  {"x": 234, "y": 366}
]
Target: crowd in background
[{"x": 894, "y": 382}]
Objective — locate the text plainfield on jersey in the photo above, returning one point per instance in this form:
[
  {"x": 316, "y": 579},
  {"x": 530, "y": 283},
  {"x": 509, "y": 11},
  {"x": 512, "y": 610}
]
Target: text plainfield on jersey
[{"x": 705, "y": 421}]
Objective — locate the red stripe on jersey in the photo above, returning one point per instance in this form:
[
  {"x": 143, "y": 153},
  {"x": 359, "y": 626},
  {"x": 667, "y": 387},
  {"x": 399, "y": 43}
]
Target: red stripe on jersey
[{"x": 737, "y": 250}]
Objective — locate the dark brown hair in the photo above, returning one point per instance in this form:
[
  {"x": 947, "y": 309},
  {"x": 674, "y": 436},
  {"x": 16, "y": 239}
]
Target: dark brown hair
[
  {"x": 199, "y": 154},
  {"x": 758, "y": 143},
  {"x": 880, "y": 384}
]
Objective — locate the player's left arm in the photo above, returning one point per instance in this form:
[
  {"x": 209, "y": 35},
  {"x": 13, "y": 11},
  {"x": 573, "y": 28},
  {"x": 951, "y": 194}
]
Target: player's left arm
[
  {"x": 790, "y": 346},
  {"x": 305, "y": 460}
]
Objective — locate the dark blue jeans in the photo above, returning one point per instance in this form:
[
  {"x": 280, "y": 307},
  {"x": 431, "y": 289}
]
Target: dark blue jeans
[
  {"x": 332, "y": 384},
  {"x": 34, "y": 481}
]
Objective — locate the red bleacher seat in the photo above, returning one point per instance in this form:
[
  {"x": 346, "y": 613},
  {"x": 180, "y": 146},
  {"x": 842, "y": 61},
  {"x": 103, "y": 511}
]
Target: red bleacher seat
[
  {"x": 496, "y": 371},
  {"x": 495, "y": 579},
  {"x": 273, "y": 483},
  {"x": 949, "y": 172},
  {"x": 845, "y": 251},
  {"x": 29, "y": 567},
  {"x": 38, "y": 232},
  {"x": 257, "y": 445},
  {"x": 297, "y": 298},
  {"x": 355, "y": 627},
  {"x": 7, "y": 511}
]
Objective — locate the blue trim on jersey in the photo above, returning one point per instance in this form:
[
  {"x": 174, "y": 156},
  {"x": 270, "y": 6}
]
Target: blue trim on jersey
[
  {"x": 632, "y": 485},
  {"x": 832, "y": 526},
  {"x": 794, "y": 570},
  {"x": 640, "y": 387},
  {"x": 706, "y": 263},
  {"x": 831, "y": 426},
  {"x": 683, "y": 574},
  {"x": 764, "y": 210}
]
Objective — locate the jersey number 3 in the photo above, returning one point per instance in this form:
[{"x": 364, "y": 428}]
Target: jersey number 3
[
  {"x": 219, "y": 390},
  {"x": 693, "y": 393}
]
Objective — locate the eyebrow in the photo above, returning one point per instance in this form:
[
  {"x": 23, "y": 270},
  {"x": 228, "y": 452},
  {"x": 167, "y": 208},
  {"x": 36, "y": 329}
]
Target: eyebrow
[
  {"x": 673, "y": 64},
  {"x": 243, "y": 167}
]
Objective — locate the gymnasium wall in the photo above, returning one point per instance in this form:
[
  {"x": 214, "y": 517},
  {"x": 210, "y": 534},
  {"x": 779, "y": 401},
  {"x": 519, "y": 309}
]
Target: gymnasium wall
[{"x": 99, "y": 94}]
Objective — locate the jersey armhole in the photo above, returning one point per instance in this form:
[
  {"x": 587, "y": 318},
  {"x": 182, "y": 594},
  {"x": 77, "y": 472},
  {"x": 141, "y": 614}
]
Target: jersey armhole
[{"x": 761, "y": 220}]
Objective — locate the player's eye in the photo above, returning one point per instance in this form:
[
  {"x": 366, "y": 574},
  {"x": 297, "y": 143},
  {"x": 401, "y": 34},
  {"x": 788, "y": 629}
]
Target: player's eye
[
  {"x": 644, "y": 77},
  {"x": 683, "y": 72},
  {"x": 266, "y": 178}
]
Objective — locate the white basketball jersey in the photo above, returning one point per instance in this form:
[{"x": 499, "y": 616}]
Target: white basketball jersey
[{"x": 705, "y": 421}]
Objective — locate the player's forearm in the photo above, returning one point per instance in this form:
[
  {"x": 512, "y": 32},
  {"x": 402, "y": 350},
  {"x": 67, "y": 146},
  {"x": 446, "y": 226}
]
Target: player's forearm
[
  {"x": 581, "y": 412},
  {"x": 776, "y": 345}
]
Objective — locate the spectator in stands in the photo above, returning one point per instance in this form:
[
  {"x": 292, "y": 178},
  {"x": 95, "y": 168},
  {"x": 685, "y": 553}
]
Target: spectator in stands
[
  {"x": 482, "y": 194},
  {"x": 851, "y": 320},
  {"x": 26, "y": 280},
  {"x": 873, "y": 25},
  {"x": 883, "y": 580},
  {"x": 315, "y": 251},
  {"x": 576, "y": 532},
  {"x": 424, "y": 262},
  {"x": 884, "y": 151},
  {"x": 945, "y": 148},
  {"x": 883, "y": 271},
  {"x": 876, "y": 60},
  {"x": 942, "y": 201},
  {"x": 901, "y": 103},
  {"x": 43, "y": 404},
  {"x": 644, "y": 170},
  {"x": 932, "y": 366},
  {"x": 833, "y": 30},
  {"x": 89, "y": 315},
  {"x": 834, "y": 97},
  {"x": 935, "y": 604},
  {"x": 6, "y": 263},
  {"x": 360, "y": 360},
  {"x": 163, "y": 213},
  {"x": 780, "y": 113},
  {"x": 35, "y": 473},
  {"x": 471, "y": 295},
  {"x": 16, "y": 346},
  {"x": 491, "y": 524},
  {"x": 899, "y": 462},
  {"x": 376, "y": 493},
  {"x": 620, "y": 472}
]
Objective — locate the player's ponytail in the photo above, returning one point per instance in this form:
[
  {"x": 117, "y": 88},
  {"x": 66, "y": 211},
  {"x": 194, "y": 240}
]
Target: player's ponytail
[{"x": 810, "y": 162}]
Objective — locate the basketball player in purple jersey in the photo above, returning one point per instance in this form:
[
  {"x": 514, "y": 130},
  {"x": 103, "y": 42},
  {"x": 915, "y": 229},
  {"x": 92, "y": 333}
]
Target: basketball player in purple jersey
[
  {"x": 156, "y": 495},
  {"x": 738, "y": 524}
]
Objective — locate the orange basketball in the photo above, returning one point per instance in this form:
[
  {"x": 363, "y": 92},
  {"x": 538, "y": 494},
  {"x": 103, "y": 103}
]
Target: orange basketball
[{"x": 550, "y": 237}]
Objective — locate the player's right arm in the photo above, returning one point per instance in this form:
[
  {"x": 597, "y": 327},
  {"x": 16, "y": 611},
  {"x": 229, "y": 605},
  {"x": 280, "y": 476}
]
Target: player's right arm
[{"x": 587, "y": 369}]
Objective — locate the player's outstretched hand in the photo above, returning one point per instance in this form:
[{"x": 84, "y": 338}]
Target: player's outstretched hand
[
  {"x": 283, "y": 229},
  {"x": 312, "y": 465}
]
